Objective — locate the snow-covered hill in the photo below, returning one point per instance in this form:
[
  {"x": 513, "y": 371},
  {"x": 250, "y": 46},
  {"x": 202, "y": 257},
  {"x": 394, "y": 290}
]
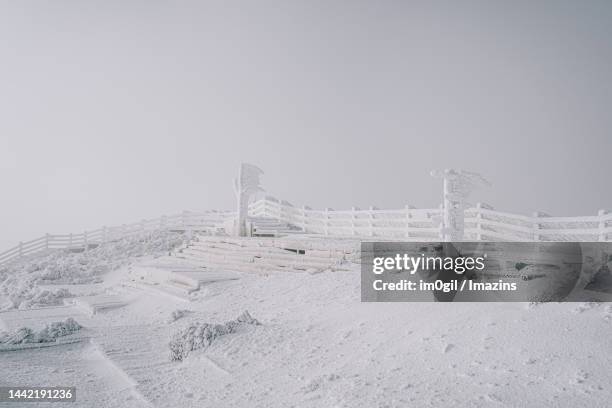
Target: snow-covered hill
[{"x": 317, "y": 344}]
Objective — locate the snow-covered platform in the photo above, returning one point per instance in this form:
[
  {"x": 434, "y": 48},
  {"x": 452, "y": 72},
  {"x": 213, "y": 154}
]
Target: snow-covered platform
[
  {"x": 195, "y": 279},
  {"x": 174, "y": 277},
  {"x": 100, "y": 303}
]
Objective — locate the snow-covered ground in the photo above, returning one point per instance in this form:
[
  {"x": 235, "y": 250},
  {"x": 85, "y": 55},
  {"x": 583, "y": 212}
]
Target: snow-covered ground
[
  {"x": 316, "y": 345},
  {"x": 38, "y": 281}
]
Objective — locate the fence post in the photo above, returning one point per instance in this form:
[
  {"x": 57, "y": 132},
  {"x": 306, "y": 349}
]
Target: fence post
[
  {"x": 537, "y": 226},
  {"x": 47, "y": 240},
  {"x": 478, "y": 221},
  {"x": 441, "y": 218},
  {"x": 303, "y": 218},
  {"x": 184, "y": 220},
  {"x": 326, "y": 220},
  {"x": 86, "y": 241},
  {"x": 70, "y": 242},
  {"x": 261, "y": 207},
  {"x": 371, "y": 220},
  {"x": 279, "y": 214},
  {"x": 407, "y": 209},
  {"x": 20, "y": 249},
  {"x": 271, "y": 206},
  {"x": 603, "y": 235}
]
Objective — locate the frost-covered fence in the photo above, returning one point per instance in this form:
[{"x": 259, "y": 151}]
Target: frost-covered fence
[
  {"x": 185, "y": 221},
  {"x": 487, "y": 224},
  {"x": 481, "y": 223},
  {"x": 372, "y": 222},
  {"x": 410, "y": 224}
]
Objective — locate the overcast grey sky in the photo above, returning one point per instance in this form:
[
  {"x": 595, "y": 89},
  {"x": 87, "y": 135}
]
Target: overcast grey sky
[{"x": 115, "y": 111}]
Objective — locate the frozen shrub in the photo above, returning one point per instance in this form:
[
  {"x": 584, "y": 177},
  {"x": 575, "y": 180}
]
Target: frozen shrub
[
  {"x": 19, "y": 281},
  {"x": 49, "y": 333},
  {"x": 45, "y": 298},
  {"x": 19, "y": 336},
  {"x": 202, "y": 335},
  {"x": 58, "y": 329}
]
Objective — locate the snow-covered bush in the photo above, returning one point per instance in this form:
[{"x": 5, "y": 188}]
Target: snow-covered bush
[
  {"x": 58, "y": 329},
  {"x": 202, "y": 335},
  {"x": 49, "y": 333},
  {"x": 44, "y": 297},
  {"x": 19, "y": 281}
]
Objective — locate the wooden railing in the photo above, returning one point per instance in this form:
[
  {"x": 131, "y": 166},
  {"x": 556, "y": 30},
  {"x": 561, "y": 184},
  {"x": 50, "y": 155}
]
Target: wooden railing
[
  {"x": 481, "y": 223},
  {"x": 409, "y": 224},
  {"x": 185, "y": 221}
]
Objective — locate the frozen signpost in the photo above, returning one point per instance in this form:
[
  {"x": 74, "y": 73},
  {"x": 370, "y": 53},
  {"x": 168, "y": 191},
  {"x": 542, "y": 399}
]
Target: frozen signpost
[
  {"x": 458, "y": 184},
  {"x": 245, "y": 185}
]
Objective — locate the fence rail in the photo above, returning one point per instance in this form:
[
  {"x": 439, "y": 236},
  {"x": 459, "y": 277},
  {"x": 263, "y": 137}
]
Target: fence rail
[
  {"x": 481, "y": 223},
  {"x": 185, "y": 221}
]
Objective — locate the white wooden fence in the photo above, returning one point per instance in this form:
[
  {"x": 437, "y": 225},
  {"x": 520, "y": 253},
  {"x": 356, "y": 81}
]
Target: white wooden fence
[
  {"x": 185, "y": 221},
  {"x": 481, "y": 223},
  {"x": 409, "y": 224}
]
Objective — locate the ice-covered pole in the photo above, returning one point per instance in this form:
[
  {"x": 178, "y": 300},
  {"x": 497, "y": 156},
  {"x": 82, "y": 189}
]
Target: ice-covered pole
[
  {"x": 245, "y": 185},
  {"x": 458, "y": 184}
]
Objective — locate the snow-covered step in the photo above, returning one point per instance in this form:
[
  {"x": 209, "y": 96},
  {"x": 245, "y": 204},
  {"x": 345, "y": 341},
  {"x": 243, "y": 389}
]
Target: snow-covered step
[
  {"x": 317, "y": 246},
  {"x": 100, "y": 303},
  {"x": 234, "y": 267},
  {"x": 333, "y": 246},
  {"x": 260, "y": 265},
  {"x": 254, "y": 256},
  {"x": 178, "y": 279},
  {"x": 258, "y": 250},
  {"x": 270, "y": 259},
  {"x": 226, "y": 264},
  {"x": 173, "y": 290},
  {"x": 270, "y": 227},
  {"x": 195, "y": 279},
  {"x": 218, "y": 247},
  {"x": 236, "y": 251},
  {"x": 274, "y": 232},
  {"x": 217, "y": 255}
]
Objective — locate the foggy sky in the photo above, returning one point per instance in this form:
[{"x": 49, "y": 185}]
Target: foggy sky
[{"x": 111, "y": 112}]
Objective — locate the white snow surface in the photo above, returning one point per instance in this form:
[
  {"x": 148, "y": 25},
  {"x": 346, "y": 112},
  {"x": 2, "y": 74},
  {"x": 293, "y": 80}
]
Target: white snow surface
[
  {"x": 20, "y": 283},
  {"x": 318, "y": 345}
]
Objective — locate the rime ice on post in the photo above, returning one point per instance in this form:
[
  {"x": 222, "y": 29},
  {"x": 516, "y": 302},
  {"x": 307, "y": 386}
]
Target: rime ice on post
[
  {"x": 458, "y": 184},
  {"x": 245, "y": 185}
]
